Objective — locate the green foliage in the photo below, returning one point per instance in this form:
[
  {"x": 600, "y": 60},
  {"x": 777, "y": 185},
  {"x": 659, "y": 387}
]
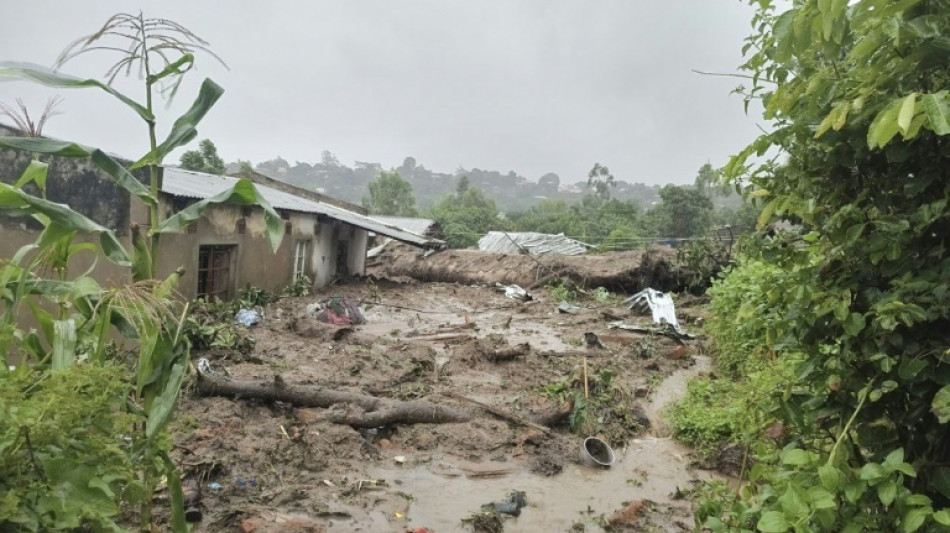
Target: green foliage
[
  {"x": 700, "y": 261},
  {"x": 856, "y": 94},
  {"x": 710, "y": 415},
  {"x": 205, "y": 159},
  {"x": 64, "y": 465},
  {"x": 601, "y": 180},
  {"x": 302, "y": 287},
  {"x": 467, "y": 215},
  {"x": 390, "y": 195},
  {"x": 609, "y": 410},
  {"x": 563, "y": 291},
  {"x": 606, "y": 223},
  {"x": 210, "y": 325},
  {"x": 684, "y": 212},
  {"x": 743, "y": 313}
]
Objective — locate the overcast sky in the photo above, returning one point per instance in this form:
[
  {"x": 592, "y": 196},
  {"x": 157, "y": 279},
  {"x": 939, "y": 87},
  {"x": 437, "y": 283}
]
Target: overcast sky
[{"x": 530, "y": 86}]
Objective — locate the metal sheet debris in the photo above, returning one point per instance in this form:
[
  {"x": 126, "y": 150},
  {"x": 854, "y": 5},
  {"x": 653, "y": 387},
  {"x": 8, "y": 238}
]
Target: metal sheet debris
[
  {"x": 503, "y": 242},
  {"x": 660, "y": 304}
]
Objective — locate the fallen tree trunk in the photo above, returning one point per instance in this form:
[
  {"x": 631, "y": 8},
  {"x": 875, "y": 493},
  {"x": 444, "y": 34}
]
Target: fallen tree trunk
[
  {"x": 373, "y": 411},
  {"x": 511, "y": 417}
]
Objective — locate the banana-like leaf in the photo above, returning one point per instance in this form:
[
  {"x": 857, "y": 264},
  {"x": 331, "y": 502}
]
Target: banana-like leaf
[
  {"x": 13, "y": 199},
  {"x": 69, "y": 149},
  {"x": 35, "y": 172},
  {"x": 243, "y": 193},
  {"x": 51, "y": 78},
  {"x": 64, "y": 343},
  {"x": 184, "y": 129}
]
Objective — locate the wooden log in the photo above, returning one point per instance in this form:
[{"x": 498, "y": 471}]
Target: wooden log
[
  {"x": 501, "y": 413},
  {"x": 373, "y": 411}
]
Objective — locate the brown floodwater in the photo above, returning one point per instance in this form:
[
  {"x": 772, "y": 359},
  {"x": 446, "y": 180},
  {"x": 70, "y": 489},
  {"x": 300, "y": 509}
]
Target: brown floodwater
[{"x": 440, "y": 490}]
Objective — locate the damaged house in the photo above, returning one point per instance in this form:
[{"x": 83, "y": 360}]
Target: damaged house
[{"x": 227, "y": 247}]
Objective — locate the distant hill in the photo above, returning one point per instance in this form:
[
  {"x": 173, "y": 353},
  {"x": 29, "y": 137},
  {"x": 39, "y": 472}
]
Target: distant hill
[{"x": 511, "y": 191}]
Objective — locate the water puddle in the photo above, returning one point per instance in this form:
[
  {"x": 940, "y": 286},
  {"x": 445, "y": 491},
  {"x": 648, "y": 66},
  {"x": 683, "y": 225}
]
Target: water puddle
[{"x": 441, "y": 490}]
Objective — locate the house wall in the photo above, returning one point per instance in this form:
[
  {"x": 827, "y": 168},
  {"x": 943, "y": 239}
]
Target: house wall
[
  {"x": 323, "y": 263},
  {"x": 254, "y": 263},
  {"x": 356, "y": 252},
  {"x": 77, "y": 182}
]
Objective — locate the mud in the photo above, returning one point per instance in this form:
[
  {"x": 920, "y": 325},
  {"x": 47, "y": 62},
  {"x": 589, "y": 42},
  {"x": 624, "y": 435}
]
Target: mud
[
  {"x": 266, "y": 466},
  {"x": 617, "y": 271}
]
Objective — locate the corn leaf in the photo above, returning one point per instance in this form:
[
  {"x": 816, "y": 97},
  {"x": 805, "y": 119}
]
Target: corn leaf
[
  {"x": 35, "y": 172},
  {"x": 177, "y": 496},
  {"x": 243, "y": 193},
  {"x": 184, "y": 129},
  {"x": 64, "y": 344},
  {"x": 13, "y": 199},
  {"x": 51, "y": 78}
]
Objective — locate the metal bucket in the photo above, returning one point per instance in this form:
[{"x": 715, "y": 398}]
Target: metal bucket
[{"x": 595, "y": 452}]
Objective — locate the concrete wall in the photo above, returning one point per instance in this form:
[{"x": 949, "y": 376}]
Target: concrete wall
[
  {"x": 356, "y": 252},
  {"x": 78, "y": 183},
  {"x": 255, "y": 262}
]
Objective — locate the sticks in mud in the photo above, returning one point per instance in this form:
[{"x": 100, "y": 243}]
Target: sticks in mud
[
  {"x": 375, "y": 412},
  {"x": 511, "y": 417}
]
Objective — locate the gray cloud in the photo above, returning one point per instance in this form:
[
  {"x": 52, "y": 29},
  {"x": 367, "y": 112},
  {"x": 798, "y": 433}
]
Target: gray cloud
[{"x": 534, "y": 87}]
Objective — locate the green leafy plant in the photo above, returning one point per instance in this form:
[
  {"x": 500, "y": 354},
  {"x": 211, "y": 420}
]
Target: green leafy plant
[
  {"x": 163, "y": 51},
  {"x": 563, "y": 291},
  {"x": 856, "y": 92},
  {"x": 303, "y": 286}
]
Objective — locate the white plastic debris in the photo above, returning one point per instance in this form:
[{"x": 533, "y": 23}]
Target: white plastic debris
[
  {"x": 514, "y": 292},
  {"x": 247, "y": 317},
  {"x": 204, "y": 366},
  {"x": 660, "y": 304}
]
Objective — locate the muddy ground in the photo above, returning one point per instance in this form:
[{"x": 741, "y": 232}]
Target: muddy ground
[{"x": 266, "y": 467}]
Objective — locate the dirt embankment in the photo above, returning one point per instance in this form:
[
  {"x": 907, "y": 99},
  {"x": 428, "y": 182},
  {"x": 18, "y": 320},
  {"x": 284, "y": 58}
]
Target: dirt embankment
[
  {"x": 617, "y": 271},
  {"x": 266, "y": 465}
]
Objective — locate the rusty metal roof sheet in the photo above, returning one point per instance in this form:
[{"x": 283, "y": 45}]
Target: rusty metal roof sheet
[{"x": 190, "y": 184}]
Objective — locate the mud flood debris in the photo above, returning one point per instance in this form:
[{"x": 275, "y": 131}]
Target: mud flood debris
[
  {"x": 512, "y": 505},
  {"x": 515, "y": 292},
  {"x": 476, "y": 392},
  {"x": 337, "y": 310},
  {"x": 247, "y": 317},
  {"x": 568, "y": 308}
]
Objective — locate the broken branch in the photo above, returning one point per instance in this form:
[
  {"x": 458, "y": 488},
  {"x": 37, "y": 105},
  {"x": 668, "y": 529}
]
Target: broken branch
[{"x": 376, "y": 412}]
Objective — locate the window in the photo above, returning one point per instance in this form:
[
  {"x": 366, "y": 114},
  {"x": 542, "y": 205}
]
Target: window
[
  {"x": 214, "y": 272},
  {"x": 301, "y": 254}
]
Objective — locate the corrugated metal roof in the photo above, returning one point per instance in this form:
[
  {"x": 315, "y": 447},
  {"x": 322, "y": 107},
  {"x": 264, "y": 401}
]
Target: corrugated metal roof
[
  {"x": 534, "y": 243},
  {"x": 189, "y": 184},
  {"x": 415, "y": 225}
]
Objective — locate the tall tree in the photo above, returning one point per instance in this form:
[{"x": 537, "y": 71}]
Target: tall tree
[
  {"x": 601, "y": 180},
  {"x": 390, "y": 195},
  {"x": 205, "y": 159},
  {"x": 684, "y": 212},
  {"x": 709, "y": 181}
]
